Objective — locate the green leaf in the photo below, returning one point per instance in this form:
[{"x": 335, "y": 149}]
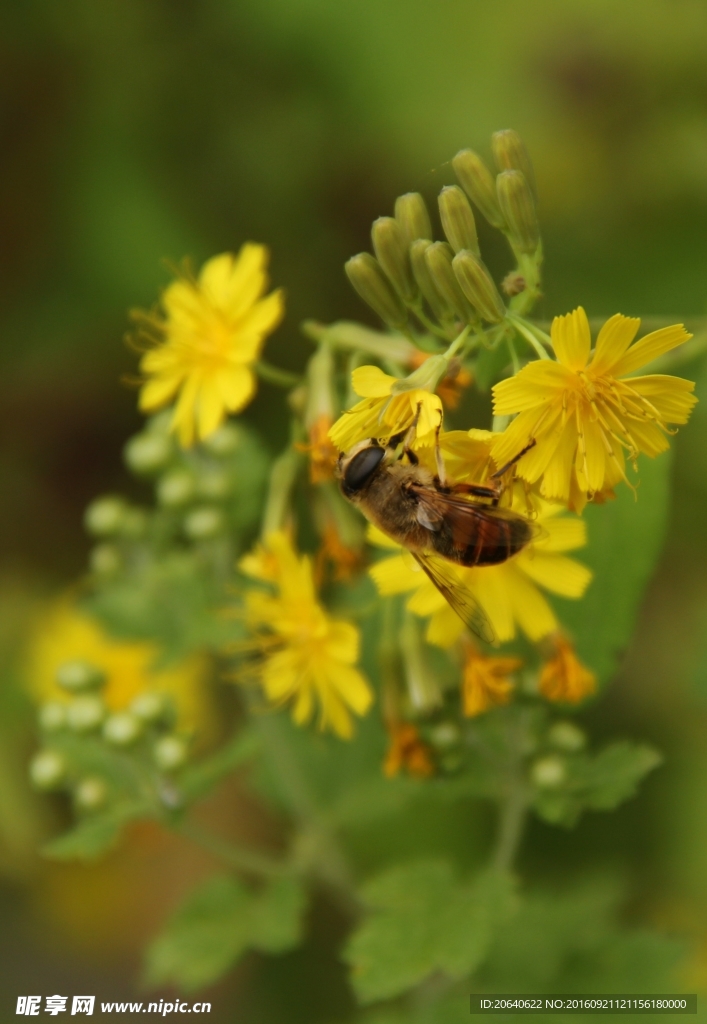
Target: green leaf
[
  {"x": 597, "y": 782},
  {"x": 625, "y": 540},
  {"x": 570, "y": 940},
  {"x": 96, "y": 834},
  {"x": 422, "y": 921},
  {"x": 217, "y": 923},
  {"x": 172, "y": 602}
]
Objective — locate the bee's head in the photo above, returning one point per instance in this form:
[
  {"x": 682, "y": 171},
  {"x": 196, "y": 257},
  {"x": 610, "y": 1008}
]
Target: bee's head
[{"x": 356, "y": 467}]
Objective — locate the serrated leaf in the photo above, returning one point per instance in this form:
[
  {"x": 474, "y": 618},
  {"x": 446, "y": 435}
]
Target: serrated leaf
[
  {"x": 597, "y": 782},
  {"x": 625, "y": 540},
  {"x": 217, "y": 923},
  {"x": 96, "y": 834},
  {"x": 421, "y": 921}
]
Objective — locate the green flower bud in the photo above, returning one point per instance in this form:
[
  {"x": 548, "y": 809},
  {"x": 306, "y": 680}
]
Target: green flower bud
[
  {"x": 367, "y": 277},
  {"x": 458, "y": 219},
  {"x": 52, "y": 716},
  {"x": 161, "y": 422},
  {"x": 445, "y": 735},
  {"x": 176, "y": 488},
  {"x": 148, "y": 707},
  {"x": 169, "y": 752},
  {"x": 135, "y": 522},
  {"x": 510, "y": 154},
  {"x": 104, "y": 516},
  {"x": 121, "y": 729},
  {"x": 84, "y": 714},
  {"x": 76, "y": 676},
  {"x": 391, "y": 249},
  {"x": 549, "y": 772},
  {"x": 148, "y": 452},
  {"x": 413, "y": 218},
  {"x": 438, "y": 257},
  {"x": 225, "y": 440},
  {"x": 424, "y": 280},
  {"x": 47, "y": 769},
  {"x": 518, "y": 207},
  {"x": 566, "y": 736},
  {"x": 215, "y": 484},
  {"x": 478, "y": 286},
  {"x": 90, "y": 794},
  {"x": 105, "y": 560},
  {"x": 479, "y": 184},
  {"x": 203, "y": 523}
]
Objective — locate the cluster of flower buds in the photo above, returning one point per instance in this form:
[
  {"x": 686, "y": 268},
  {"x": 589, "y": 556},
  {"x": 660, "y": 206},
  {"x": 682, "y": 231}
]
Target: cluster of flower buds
[
  {"x": 562, "y": 740},
  {"x": 77, "y": 728},
  {"x": 445, "y": 284},
  {"x": 195, "y": 490}
]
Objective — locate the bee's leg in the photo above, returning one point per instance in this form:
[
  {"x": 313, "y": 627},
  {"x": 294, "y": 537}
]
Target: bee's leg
[
  {"x": 410, "y": 437},
  {"x": 478, "y": 491},
  {"x": 439, "y": 461},
  {"x": 504, "y": 469}
]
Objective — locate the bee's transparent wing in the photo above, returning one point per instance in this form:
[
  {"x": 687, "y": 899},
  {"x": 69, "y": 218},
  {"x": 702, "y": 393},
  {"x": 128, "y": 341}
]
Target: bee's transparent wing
[{"x": 458, "y": 596}]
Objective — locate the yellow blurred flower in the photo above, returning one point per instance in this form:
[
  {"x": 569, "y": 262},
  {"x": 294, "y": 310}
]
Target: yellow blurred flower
[
  {"x": 584, "y": 414},
  {"x": 389, "y": 406},
  {"x": 563, "y": 677},
  {"x": 508, "y": 593},
  {"x": 486, "y": 682},
  {"x": 206, "y": 337},
  {"x": 306, "y": 658},
  {"x": 64, "y": 634},
  {"x": 322, "y": 452}
]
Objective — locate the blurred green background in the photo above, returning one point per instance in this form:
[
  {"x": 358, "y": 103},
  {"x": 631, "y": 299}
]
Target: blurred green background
[{"x": 138, "y": 130}]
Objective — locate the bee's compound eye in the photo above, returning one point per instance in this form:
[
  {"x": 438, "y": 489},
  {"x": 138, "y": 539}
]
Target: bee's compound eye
[{"x": 361, "y": 467}]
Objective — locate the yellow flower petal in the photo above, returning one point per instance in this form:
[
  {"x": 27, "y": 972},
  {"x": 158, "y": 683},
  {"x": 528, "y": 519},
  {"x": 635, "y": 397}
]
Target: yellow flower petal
[
  {"x": 393, "y": 576},
  {"x": 534, "y": 615},
  {"x": 571, "y": 339},
  {"x": 371, "y": 382},
  {"x": 649, "y": 348},
  {"x": 156, "y": 393},
  {"x": 671, "y": 397},
  {"x": 530, "y": 387},
  {"x": 562, "y": 534},
  {"x": 613, "y": 340},
  {"x": 556, "y": 573}
]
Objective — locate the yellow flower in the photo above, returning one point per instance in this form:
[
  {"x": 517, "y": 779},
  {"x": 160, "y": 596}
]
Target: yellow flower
[
  {"x": 65, "y": 634},
  {"x": 322, "y": 453},
  {"x": 508, "y": 593},
  {"x": 307, "y": 658},
  {"x": 584, "y": 414},
  {"x": 388, "y": 407},
  {"x": 407, "y": 752},
  {"x": 206, "y": 337},
  {"x": 486, "y": 682},
  {"x": 563, "y": 677}
]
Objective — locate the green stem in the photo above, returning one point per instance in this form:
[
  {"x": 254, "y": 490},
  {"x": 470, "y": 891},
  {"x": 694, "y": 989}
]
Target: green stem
[
  {"x": 235, "y": 856},
  {"x": 274, "y": 375},
  {"x": 526, "y": 330},
  {"x": 513, "y": 813},
  {"x": 282, "y": 480},
  {"x": 328, "y": 860}
]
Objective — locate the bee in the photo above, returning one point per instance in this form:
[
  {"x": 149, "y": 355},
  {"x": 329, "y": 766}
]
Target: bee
[{"x": 439, "y": 525}]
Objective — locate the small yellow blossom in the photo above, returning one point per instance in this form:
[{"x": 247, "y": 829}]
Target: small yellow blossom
[
  {"x": 307, "y": 657},
  {"x": 407, "y": 752},
  {"x": 321, "y": 450},
  {"x": 345, "y": 561},
  {"x": 563, "y": 677},
  {"x": 452, "y": 385},
  {"x": 585, "y": 414},
  {"x": 486, "y": 682},
  {"x": 206, "y": 337},
  {"x": 388, "y": 407},
  {"x": 509, "y": 593},
  {"x": 66, "y": 634}
]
